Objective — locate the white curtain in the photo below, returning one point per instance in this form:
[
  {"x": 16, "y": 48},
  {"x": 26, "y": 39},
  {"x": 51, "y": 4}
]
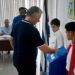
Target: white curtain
[{"x": 9, "y": 9}]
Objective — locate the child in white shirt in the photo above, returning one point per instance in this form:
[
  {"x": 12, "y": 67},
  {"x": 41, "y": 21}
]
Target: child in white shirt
[{"x": 57, "y": 39}]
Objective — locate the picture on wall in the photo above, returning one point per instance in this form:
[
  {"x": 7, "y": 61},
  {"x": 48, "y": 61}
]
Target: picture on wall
[{"x": 71, "y": 9}]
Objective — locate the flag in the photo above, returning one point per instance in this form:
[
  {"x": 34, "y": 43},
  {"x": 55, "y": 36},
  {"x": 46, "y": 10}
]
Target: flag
[{"x": 45, "y": 30}]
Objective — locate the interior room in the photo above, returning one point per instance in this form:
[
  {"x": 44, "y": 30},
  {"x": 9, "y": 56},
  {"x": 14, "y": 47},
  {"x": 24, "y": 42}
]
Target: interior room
[{"x": 64, "y": 10}]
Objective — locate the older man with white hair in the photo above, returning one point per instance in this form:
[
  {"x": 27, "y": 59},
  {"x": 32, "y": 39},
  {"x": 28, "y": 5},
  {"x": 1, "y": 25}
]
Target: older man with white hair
[{"x": 26, "y": 40}]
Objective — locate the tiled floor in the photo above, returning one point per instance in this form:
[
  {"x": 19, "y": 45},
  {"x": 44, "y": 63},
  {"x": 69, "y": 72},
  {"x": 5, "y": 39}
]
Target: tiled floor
[{"x": 6, "y": 65}]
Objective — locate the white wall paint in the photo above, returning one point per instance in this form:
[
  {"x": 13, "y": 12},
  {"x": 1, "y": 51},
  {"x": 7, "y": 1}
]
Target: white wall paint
[
  {"x": 59, "y": 9},
  {"x": 62, "y": 12}
]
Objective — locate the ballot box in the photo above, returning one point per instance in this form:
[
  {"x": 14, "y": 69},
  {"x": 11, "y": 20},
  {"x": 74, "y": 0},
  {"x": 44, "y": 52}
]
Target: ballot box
[{"x": 56, "y": 65}]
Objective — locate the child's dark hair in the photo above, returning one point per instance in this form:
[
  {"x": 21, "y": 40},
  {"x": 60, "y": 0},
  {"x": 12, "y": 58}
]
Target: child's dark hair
[
  {"x": 55, "y": 21},
  {"x": 70, "y": 26}
]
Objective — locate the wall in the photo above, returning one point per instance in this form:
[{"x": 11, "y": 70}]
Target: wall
[
  {"x": 59, "y": 9},
  {"x": 62, "y": 12}
]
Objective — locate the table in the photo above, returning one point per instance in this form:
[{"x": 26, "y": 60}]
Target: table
[{"x": 5, "y": 44}]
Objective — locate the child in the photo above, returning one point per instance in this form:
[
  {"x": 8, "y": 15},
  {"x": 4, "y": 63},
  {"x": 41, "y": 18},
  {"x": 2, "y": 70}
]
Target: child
[
  {"x": 55, "y": 25},
  {"x": 70, "y": 32},
  {"x": 57, "y": 40},
  {"x": 58, "y": 59}
]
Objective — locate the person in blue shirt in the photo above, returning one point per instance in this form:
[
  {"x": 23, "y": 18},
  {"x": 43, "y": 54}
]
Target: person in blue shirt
[
  {"x": 26, "y": 39},
  {"x": 6, "y": 30},
  {"x": 22, "y": 14}
]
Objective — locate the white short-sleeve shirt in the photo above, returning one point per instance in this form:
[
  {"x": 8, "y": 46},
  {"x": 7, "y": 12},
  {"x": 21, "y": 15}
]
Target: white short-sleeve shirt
[{"x": 69, "y": 60}]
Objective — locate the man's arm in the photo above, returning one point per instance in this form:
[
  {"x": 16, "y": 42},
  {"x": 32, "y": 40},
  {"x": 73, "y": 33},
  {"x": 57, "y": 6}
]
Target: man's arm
[{"x": 47, "y": 49}]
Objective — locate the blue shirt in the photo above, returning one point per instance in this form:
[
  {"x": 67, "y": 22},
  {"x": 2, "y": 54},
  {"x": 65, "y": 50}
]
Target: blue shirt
[
  {"x": 6, "y": 30},
  {"x": 17, "y": 19},
  {"x": 26, "y": 40}
]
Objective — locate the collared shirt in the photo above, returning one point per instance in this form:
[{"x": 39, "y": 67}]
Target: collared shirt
[
  {"x": 6, "y": 30},
  {"x": 56, "y": 40},
  {"x": 16, "y": 19},
  {"x": 26, "y": 40},
  {"x": 59, "y": 39}
]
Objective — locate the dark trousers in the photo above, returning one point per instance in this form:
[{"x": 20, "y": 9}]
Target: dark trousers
[{"x": 25, "y": 70}]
